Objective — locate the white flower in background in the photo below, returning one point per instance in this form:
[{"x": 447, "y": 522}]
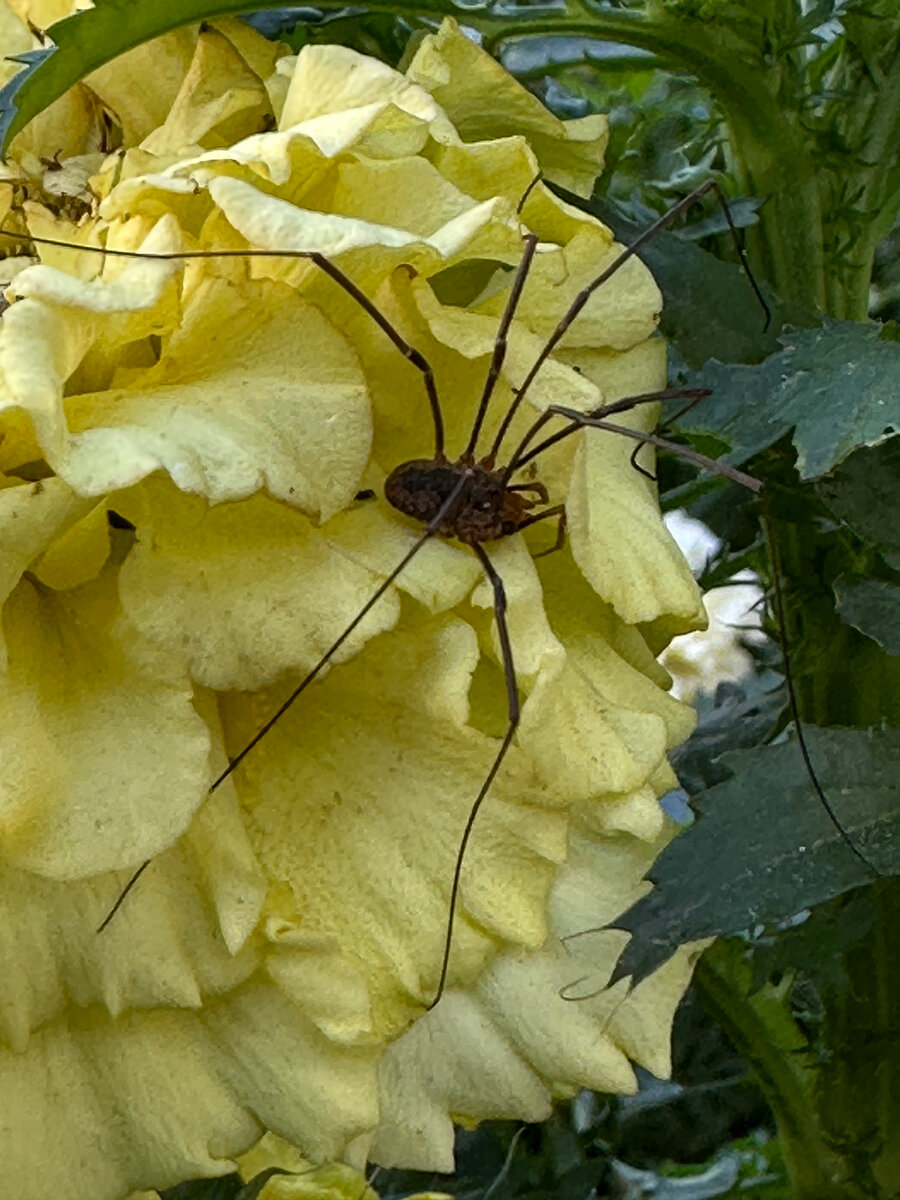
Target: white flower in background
[{"x": 701, "y": 660}]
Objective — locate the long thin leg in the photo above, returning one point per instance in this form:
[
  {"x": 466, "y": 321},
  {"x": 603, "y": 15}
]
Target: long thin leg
[
  {"x": 430, "y": 530},
  {"x": 409, "y": 352},
  {"x": 512, "y": 698},
  {"x": 778, "y": 605},
  {"x": 702, "y": 393},
  {"x": 632, "y": 458},
  {"x": 685, "y": 452},
  {"x": 520, "y": 458},
  {"x": 585, "y": 294},
  {"x": 121, "y": 898},
  {"x": 499, "y": 354}
]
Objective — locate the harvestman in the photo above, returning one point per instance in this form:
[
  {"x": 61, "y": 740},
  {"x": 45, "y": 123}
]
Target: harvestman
[{"x": 474, "y": 500}]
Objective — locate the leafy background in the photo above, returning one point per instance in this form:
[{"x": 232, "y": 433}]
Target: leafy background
[{"x": 793, "y": 106}]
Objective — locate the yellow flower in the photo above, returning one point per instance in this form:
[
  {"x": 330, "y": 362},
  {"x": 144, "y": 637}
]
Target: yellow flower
[{"x": 180, "y": 542}]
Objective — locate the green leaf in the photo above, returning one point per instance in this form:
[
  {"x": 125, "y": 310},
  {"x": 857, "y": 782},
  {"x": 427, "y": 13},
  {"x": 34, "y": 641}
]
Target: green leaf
[
  {"x": 764, "y": 848},
  {"x": 710, "y": 309},
  {"x": 872, "y": 606},
  {"x": 738, "y": 717},
  {"x": 819, "y": 946},
  {"x": 865, "y": 494},
  {"x": 835, "y": 387}
]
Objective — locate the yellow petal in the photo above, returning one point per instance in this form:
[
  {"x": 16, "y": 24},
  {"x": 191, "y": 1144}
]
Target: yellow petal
[
  {"x": 621, "y": 313},
  {"x": 33, "y": 515},
  {"x": 273, "y": 593},
  {"x": 336, "y": 79},
  {"x": 386, "y": 775},
  {"x": 484, "y": 101},
  {"x": 296, "y": 1178},
  {"x": 145, "y": 1091},
  {"x": 98, "y": 733},
  {"x": 140, "y": 86},
  {"x": 616, "y": 530},
  {"x": 221, "y": 99},
  {"x": 218, "y": 428},
  {"x": 78, "y": 553},
  {"x": 505, "y": 1047}
]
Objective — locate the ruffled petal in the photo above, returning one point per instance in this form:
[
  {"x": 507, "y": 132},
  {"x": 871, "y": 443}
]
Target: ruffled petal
[
  {"x": 536, "y": 1025},
  {"x": 484, "y": 101},
  {"x": 105, "y": 761},
  {"x": 387, "y": 771}
]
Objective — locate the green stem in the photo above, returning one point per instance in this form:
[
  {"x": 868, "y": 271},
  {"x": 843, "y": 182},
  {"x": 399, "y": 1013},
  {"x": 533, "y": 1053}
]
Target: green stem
[
  {"x": 838, "y": 1109},
  {"x": 767, "y": 1038},
  {"x": 857, "y": 1094},
  {"x": 773, "y": 153}
]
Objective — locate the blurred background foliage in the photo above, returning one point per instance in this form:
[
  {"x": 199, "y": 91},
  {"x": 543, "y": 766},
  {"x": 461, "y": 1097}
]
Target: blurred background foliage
[{"x": 786, "y": 1047}]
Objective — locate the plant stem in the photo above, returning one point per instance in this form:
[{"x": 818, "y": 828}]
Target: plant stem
[{"x": 769, "y": 1041}]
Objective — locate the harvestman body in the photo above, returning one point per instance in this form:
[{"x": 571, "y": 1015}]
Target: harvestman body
[{"x": 474, "y": 501}]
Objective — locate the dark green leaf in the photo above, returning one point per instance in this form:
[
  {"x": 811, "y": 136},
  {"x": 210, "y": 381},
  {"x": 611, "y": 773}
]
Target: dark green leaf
[
  {"x": 819, "y": 945},
  {"x": 873, "y": 607},
  {"x": 865, "y": 493},
  {"x": 835, "y": 387},
  {"x": 764, "y": 848},
  {"x": 710, "y": 310},
  {"x": 738, "y": 717}
]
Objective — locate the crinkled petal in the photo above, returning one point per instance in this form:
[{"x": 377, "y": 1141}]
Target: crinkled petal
[
  {"x": 484, "y": 101},
  {"x": 145, "y": 1092},
  {"x": 621, "y": 313},
  {"x": 616, "y": 530},
  {"x": 274, "y": 593},
  {"x": 56, "y": 957},
  {"x": 142, "y": 86},
  {"x": 78, "y": 554},
  {"x": 32, "y": 516},
  {"x": 357, "y": 801},
  {"x": 271, "y": 223},
  {"x": 99, "y": 736},
  {"x": 191, "y": 413},
  {"x": 522, "y": 1034},
  {"x": 592, "y": 722},
  {"x": 336, "y": 79},
  {"x": 221, "y": 99}
]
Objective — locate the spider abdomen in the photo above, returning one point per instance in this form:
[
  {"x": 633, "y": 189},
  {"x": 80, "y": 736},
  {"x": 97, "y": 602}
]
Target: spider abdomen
[{"x": 486, "y": 509}]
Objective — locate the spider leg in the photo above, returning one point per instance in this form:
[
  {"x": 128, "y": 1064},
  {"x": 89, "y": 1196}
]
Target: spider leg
[
  {"x": 512, "y": 697},
  {"x": 632, "y": 458},
  {"x": 430, "y": 530},
  {"x": 523, "y": 455},
  {"x": 558, "y": 511},
  {"x": 701, "y": 460},
  {"x": 120, "y": 899},
  {"x": 499, "y": 353},
  {"x": 333, "y": 272},
  {"x": 701, "y": 394},
  {"x": 538, "y": 488},
  {"x": 585, "y": 294}
]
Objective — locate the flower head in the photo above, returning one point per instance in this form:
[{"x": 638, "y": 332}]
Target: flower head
[{"x": 183, "y": 444}]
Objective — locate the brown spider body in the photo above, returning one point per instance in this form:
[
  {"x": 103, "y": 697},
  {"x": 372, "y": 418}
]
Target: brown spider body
[{"x": 486, "y": 509}]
